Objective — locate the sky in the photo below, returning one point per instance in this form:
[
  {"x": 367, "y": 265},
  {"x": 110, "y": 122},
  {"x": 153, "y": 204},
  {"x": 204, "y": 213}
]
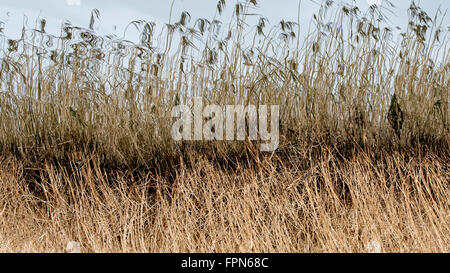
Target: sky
[{"x": 115, "y": 15}]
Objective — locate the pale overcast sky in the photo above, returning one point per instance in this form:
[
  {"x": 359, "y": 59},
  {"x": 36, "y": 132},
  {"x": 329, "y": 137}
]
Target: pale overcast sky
[{"x": 120, "y": 12}]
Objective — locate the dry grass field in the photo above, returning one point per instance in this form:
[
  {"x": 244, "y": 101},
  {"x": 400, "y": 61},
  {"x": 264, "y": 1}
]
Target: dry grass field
[
  {"x": 86, "y": 153},
  {"x": 275, "y": 205}
]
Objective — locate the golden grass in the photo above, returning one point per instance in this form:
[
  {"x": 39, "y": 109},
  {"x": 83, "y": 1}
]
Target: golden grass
[
  {"x": 80, "y": 91},
  {"x": 333, "y": 206},
  {"x": 86, "y": 153}
]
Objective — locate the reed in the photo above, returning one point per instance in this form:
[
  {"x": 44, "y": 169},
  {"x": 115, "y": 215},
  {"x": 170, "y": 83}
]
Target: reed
[
  {"x": 363, "y": 204},
  {"x": 83, "y": 92},
  {"x": 87, "y": 161}
]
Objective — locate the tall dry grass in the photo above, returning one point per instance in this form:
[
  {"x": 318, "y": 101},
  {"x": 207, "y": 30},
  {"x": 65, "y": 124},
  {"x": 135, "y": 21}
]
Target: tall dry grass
[
  {"x": 333, "y": 206},
  {"x": 83, "y": 92},
  {"x": 86, "y": 153}
]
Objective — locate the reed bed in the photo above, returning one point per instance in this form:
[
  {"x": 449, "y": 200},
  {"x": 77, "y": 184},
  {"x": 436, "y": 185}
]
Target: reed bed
[
  {"x": 400, "y": 202},
  {"x": 87, "y": 156},
  {"x": 83, "y": 92}
]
